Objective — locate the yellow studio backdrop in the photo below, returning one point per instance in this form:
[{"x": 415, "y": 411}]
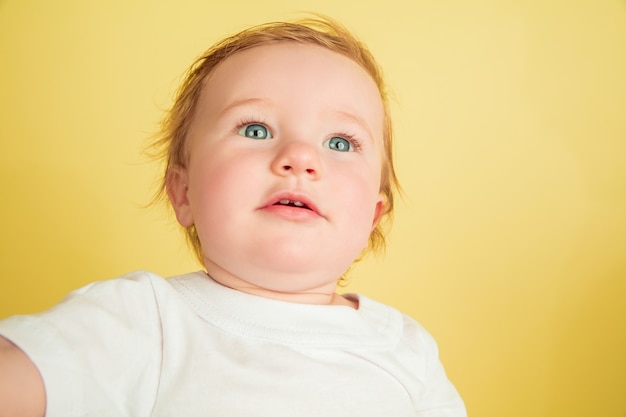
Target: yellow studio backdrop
[{"x": 510, "y": 242}]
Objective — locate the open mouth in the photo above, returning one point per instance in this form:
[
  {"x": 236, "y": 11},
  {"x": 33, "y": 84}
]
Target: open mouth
[{"x": 292, "y": 203}]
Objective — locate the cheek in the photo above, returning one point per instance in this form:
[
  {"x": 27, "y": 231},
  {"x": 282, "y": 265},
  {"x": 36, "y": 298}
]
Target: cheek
[
  {"x": 359, "y": 196},
  {"x": 206, "y": 187},
  {"x": 220, "y": 189},
  {"x": 368, "y": 182}
]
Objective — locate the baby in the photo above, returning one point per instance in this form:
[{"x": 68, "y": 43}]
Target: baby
[{"x": 278, "y": 164}]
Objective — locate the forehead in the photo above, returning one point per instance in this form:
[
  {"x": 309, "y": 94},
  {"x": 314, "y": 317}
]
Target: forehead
[{"x": 301, "y": 77}]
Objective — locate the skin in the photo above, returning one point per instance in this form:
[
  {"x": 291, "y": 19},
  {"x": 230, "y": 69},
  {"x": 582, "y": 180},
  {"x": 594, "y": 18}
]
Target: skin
[
  {"x": 22, "y": 392},
  {"x": 270, "y": 125},
  {"x": 309, "y": 103}
]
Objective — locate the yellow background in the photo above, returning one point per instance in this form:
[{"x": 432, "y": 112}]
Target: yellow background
[{"x": 509, "y": 246}]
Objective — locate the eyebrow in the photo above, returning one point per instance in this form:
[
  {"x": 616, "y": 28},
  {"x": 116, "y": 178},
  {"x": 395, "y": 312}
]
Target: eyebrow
[
  {"x": 239, "y": 103},
  {"x": 264, "y": 101},
  {"x": 358, "y": 120}
]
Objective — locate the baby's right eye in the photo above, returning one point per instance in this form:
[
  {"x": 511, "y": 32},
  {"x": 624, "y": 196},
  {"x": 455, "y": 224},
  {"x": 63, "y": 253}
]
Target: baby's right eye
[{"x": 254, "y": 131}]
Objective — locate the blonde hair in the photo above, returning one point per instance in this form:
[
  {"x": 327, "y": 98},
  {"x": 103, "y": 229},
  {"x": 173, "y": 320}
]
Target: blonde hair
[{"x": 170, "y": 144}]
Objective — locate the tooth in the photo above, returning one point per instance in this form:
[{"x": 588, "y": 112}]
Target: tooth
[
  {"x": 298, "y": 203},
  {"x": 284, "y": 201}
]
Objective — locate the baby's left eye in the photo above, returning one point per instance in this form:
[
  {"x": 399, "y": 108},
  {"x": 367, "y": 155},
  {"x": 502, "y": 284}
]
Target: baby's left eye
[
  {"x": 339, "y": 144},
  {"x": 255, "y": 131}
]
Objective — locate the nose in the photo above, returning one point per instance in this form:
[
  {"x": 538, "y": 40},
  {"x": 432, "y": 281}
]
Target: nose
[{"x": 297, "y": 158}]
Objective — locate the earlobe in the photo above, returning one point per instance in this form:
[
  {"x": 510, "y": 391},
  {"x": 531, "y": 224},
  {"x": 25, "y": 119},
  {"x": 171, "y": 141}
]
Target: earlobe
[
  {"x": 380, "y": 210},
  {"x": 177, "y": 191}
]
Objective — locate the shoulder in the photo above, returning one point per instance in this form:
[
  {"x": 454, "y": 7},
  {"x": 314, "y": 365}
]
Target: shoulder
[
  {"x": 414, "y": 362},
  {"x": 126, "y": 291},
  {"x": 97, "y": 307},
  {"x": 95, "y": 334},
  {"x": 417, "y": 337},
  {"x": 412, "y": 341},
  {"x": 132, "y": 283},
  {"x": 128, "y": 307},
  {"x": 396, "y": 324}
]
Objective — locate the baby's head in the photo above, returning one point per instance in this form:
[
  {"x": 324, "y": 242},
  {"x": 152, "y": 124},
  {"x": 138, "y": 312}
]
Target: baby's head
[{"x": 174, "y": 140}]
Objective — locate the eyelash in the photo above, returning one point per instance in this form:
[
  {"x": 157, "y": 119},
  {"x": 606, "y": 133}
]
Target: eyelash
[
  {"x": 356, "y": 143},
  {"x": 245, "y": 122}
]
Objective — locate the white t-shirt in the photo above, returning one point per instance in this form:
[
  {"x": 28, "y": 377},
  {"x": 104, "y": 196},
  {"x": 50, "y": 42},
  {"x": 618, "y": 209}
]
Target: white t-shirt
[{"x": 141, "y": 345}]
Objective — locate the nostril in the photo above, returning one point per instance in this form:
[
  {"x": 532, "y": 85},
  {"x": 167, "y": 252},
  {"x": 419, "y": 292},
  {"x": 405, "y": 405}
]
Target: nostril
[
  {"x": 310, "y": 171},
  {"x": 286, "y": 167}
]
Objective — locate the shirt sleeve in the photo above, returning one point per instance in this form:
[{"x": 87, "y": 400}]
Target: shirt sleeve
[
  {"x": 98, "y": 350},
  {"x": 437, "y": 397}
]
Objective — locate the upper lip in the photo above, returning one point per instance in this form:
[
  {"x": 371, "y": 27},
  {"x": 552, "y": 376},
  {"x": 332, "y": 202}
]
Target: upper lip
[{"x": 295, "y": 197}]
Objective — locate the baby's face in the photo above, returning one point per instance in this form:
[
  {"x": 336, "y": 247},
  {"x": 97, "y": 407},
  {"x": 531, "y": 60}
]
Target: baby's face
[{"x": 282, "y": 182}]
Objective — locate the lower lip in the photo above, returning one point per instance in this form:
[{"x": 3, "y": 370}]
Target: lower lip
[{"x": 291, "y": 213}]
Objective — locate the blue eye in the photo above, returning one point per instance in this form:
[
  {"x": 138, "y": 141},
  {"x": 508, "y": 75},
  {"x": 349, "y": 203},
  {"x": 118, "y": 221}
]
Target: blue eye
[
  {"x": 339, "y": 144},
  {"x": 255, "y": 131}
]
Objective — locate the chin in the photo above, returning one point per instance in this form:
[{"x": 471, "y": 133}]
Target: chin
[
  {"x": 300, "y": 274},
  {"x": 293, "y": 283}
]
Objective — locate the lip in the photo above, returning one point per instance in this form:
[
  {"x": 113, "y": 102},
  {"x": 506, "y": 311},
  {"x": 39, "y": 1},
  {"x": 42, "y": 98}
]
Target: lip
[{"x": 297, "y": 213}]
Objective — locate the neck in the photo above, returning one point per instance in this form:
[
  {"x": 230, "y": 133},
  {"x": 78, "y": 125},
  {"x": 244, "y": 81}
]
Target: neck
[{"x": 318, "y": 295}]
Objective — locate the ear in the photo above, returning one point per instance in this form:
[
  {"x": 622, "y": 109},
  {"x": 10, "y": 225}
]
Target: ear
[
  {"x": 380, "y": 210},
  {"x": 177, "y": 185}
]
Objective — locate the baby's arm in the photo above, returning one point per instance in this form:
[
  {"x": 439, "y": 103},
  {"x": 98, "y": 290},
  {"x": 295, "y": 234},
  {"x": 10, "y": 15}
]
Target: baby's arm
[{"x": 22, "y": 392}]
